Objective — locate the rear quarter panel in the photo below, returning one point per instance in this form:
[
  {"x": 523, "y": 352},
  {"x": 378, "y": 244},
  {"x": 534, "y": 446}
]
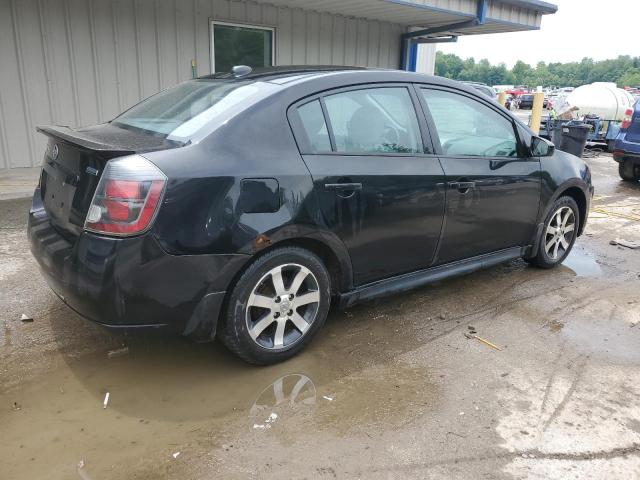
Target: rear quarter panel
[{"x": 205, "y": 208}]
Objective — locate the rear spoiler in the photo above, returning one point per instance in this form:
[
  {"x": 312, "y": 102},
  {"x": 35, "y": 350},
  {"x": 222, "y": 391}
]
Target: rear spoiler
[{"x": 78, "y": 138}]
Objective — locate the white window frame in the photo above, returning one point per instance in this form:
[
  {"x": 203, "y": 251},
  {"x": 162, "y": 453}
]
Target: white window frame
[{"x": 213, "y": 23}]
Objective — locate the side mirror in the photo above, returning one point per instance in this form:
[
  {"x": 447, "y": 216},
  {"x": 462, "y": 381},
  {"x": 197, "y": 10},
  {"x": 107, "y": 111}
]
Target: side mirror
[{"x": 541, "y": 147}]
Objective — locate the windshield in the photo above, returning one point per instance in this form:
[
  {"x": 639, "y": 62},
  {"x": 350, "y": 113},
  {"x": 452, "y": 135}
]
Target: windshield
[{"x": 181, "y": 111}]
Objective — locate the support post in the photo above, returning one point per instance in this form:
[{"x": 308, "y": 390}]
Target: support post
[
  {"x": 536, "y": 112},
  {"x": 502, "y": 98},
  {"x": 408, "y": 39}
]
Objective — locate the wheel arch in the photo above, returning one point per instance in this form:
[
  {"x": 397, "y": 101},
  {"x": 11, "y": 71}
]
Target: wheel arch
[
  {"x": 575, "y": 190},
  {"x": 327, "y": 247},
  {"x": 580, "y": 198},
  {"x": 337, "y": 262}
]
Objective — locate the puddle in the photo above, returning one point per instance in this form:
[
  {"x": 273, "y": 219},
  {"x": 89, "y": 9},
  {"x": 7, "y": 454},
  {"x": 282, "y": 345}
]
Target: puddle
[
  {"x": 168, "y": 395},
  {"x": 583, "y": 264},
  {"x": 606, "y": 328}
]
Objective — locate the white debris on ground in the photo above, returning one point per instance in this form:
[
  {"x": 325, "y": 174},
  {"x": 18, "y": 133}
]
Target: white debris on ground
[
  {"x": 267, "y": 423},
  {"x": 119, "y": 352}
]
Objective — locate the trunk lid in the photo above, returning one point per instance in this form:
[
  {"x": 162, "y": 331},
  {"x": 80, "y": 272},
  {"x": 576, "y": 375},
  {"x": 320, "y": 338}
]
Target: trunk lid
[{"x": 73, "y": 163}]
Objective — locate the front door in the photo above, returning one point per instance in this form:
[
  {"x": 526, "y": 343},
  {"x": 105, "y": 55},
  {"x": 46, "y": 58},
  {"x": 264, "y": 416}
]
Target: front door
[
  {"x": 379, "y": 192},
  {"x": 493, "y": 186}
]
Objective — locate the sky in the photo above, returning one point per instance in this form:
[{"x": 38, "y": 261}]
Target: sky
[{"x": 599, "y": 29}]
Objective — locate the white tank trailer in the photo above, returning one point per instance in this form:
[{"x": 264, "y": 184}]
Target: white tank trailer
[{"x": 602, "y": 99}]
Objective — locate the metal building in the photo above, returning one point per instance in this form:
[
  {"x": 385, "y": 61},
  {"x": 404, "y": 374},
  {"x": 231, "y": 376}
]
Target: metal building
[{"x": 79, "y": 62}]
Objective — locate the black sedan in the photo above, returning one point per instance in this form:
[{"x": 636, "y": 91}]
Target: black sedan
[
  {"x": 241, "y": 205},
  {"x": 526, "y": 102}
]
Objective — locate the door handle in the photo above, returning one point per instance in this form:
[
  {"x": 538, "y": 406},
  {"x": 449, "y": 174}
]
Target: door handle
[
  {"x": 342, "y": 187},
  {"x": 462, "y": 187}
]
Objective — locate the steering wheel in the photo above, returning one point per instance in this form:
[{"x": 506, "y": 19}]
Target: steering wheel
[{"x": 493, "y": 149}]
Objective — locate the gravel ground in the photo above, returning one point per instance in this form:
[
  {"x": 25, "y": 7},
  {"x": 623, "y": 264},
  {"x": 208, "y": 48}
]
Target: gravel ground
[{"x": 391, "y": 389}]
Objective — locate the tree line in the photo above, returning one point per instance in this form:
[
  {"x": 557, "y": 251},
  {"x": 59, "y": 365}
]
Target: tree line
[{"x": 624, "y": 70}]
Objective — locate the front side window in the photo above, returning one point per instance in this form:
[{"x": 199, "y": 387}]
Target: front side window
[
  {"x": 374, "y": 120},
  {"x": 468, "y": 127}
]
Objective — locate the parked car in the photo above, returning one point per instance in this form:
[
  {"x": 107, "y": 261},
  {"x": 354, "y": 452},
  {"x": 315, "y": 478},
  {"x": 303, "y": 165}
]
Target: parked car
[
  {"x": 626, "y": 150},
  {"x": 526, "y": 102},
  {"x": 241, "y": 205}
]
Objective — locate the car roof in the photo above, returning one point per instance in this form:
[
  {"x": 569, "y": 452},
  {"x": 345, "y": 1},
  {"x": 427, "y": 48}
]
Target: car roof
[
  {"x": 296, "y": 74},
  {"x": 297, "y": 82},
  {"x": 282, "y": 72}
]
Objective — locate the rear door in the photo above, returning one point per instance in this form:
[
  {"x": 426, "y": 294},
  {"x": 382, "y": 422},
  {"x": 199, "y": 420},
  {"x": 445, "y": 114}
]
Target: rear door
[
  {"x": 380, "y": 189},
  {"x": 493, "y": 185}
]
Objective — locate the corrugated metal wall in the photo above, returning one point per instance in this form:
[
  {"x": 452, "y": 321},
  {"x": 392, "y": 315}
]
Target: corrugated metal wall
[{"x": 79, "y": 62}]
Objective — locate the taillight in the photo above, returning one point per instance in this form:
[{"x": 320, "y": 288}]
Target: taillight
[
  {"x": 618, "y": 154},
  {"x": 127, "y": 198},
  {"x": 626, "y": 120}
]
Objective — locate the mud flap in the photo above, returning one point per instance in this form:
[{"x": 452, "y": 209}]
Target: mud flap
[
  {"x": 203, "y": 323},
  {"x": 533, "y": 249}
]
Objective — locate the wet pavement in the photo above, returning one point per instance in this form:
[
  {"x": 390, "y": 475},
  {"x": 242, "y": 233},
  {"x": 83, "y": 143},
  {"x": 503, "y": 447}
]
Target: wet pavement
[{"x": 390, "y": 389}]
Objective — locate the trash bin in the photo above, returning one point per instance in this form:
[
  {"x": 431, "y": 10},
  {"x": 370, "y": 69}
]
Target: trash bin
[{"x": 571, "y": 137}]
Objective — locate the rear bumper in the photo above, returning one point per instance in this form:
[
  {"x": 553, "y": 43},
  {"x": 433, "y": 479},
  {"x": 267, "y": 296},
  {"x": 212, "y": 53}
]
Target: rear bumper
[
  {"x": 627, "y": 156},
  {"x": 132, "y": 282},
  {"x": 629, "y": 150}
]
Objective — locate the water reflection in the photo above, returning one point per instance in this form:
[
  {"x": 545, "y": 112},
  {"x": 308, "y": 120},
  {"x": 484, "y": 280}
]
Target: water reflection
[
  {"x": 284, "y": 395},
  {"x": 293, "y": 388}
]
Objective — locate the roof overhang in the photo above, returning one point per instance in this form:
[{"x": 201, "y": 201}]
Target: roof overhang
[{"x": 501, "y": 15}]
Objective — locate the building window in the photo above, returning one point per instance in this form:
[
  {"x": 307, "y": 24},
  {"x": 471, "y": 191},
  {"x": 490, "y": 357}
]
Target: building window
[{"x": 235, "y": 44}]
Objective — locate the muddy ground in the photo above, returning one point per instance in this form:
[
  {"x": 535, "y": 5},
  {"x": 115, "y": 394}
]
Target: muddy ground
[{"x": 391, "y": 389}]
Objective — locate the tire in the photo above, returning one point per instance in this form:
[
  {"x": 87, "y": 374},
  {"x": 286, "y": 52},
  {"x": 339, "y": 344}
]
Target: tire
[
  {"x": 554, "y": 245},
  {"x": 626, "y": 171},
  {"x": 262, "y": 323}
]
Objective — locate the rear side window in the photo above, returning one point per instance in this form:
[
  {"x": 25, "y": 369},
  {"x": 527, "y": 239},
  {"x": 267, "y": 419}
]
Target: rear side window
[
  {"x": 314, "y": 126},
  {"x": 468, "y": 127},
  {"x": 374, "y": 120}
]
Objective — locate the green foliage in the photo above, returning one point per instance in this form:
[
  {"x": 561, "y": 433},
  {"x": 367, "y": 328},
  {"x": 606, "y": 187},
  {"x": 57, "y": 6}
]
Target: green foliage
[
  {"x": 624, "y": 70},
  {"x": 630, "y": 78}
]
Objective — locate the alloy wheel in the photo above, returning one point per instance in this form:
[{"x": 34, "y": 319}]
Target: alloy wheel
[
  {"x": 282, "y": 306},
  {"x": 559, "y": 232}
]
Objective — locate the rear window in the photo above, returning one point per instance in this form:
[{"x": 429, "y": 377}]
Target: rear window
[{"x": 181, "y": 111}]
